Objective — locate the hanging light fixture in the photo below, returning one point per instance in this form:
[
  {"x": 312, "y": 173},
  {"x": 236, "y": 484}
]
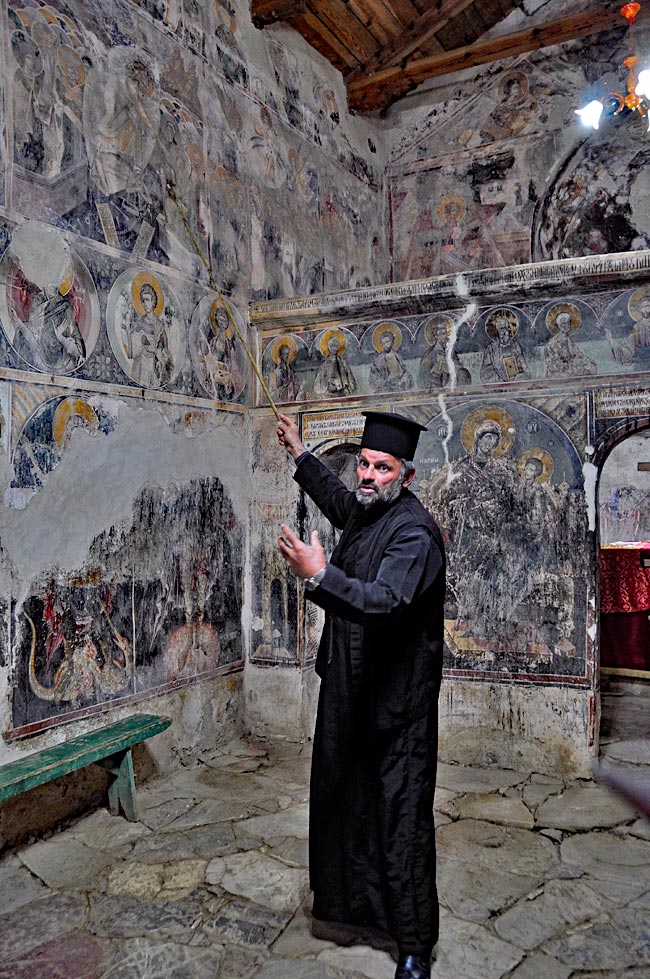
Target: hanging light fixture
[{"x": 637, "y": 96}]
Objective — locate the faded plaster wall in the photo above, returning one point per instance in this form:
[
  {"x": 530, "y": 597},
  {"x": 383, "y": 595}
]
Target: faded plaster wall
[
  {"x": 493, "y": 168},
  {"x": 125, "y": 549}
]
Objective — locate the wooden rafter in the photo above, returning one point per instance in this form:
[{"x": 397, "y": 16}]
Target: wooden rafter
[
  {"x": 264, "y": 12},
  {"x": 416, "y": 34},
  {"x": 378, "y": 90}
]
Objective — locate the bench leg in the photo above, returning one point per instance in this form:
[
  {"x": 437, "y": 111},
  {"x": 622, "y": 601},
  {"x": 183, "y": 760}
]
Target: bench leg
[{"x": 121, "y": 791}]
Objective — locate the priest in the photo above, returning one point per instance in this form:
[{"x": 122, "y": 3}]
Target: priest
[{"x": 371, "y": 841}]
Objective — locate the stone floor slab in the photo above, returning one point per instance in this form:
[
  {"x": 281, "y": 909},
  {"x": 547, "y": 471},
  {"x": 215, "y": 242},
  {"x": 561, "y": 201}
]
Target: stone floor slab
[
  {"x": 297, "y": 940},
  {"x": 17, "y": 885},
  {"x": 362, "y": 961},
  {"x": 26, "y": 929},
  {"x": 633, "y": 752},
  {"x": 64, "y": 862},
  {"x": 74, "y": 956},
  {"x": 290, "y": 969},
  {"x": 472, "y": 894},
  {"x": 458, "y": 778},
  {"x": 113, "y": 916},
  {"x": 494, "y": 808},
  {"x": 289, "y": 822},
  {"x": 143, "y": 959},
  {"x": 535, "y": 792},
  {"x": 608, "y": 856},
  {"x": 541, "y": 966},
  {"x": 102, "y": 831},
  {"x": 470, "y": 951},
  {"x": 259, "y": 878},
  {"x": 493, "y": 847},
  {"x": 243, "y": 923},
  {"x": 168, "y": 881},
  {"x": 619, "y": 942},
  {"x": 207, "y": 812},
  {"x": 583, "y": 807},
  {"x": 561, "y": 903}
]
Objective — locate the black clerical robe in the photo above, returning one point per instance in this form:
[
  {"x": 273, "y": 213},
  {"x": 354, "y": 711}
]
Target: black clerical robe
[{"x": 372, "y": 845}]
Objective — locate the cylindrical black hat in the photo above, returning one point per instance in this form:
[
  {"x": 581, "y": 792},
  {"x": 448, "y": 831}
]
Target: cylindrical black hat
[{"x": 394, "y": 434}]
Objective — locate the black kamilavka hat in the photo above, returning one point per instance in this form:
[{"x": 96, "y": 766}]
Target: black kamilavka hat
[{"x": 394, "y": 434}]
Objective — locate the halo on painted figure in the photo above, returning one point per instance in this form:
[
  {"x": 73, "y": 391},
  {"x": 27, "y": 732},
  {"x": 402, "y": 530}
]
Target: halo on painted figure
[{"x": 481, "y": 415}]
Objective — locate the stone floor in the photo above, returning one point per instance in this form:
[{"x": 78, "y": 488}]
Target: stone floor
[{"x": 539, "y": 879}]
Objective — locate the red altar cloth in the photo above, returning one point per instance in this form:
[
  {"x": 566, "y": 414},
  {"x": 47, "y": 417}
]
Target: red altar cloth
[{"x": 624, "y": 583}]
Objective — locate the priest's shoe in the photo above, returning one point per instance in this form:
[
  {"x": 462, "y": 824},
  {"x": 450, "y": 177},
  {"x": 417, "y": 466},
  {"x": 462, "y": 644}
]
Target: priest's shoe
[{"x": 411, "y": 967}]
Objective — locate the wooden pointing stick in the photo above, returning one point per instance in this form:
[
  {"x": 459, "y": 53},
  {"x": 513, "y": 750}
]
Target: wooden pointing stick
[{"x": 228, "y": 308}]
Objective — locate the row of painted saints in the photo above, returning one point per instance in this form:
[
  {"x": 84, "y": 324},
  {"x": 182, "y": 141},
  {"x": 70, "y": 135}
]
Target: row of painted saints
[
  {"x": 384, "y": 366},
  {"x": 49, "y": 312}
]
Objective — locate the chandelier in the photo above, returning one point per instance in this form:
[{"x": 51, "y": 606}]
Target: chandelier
[{"x": 637, "y": 96}]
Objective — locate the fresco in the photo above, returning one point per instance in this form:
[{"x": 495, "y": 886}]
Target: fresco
[
  {"x": 578, "y": 337},
  {"x": 47, "y": 434},
  {"x": 502, "y": 173},
  {"x": 49, "y": 309},
  {"x": 157, "y": 603},
  {"x": 218, "y": 358},
  {"x": 110, "y": 108},
  {"x": 595, "y": 201},
  {"x": 274, "y": 633},
  {"x": 505, "y": 484},
  {"x": 147, "y": 335}
]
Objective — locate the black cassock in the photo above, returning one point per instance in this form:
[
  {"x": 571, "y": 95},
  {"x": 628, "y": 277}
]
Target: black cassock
[{"x": 371, "y": 834}]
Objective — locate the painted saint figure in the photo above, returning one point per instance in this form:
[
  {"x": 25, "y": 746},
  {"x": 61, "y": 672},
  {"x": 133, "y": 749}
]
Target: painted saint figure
[
  {"x": 503, "y": 358},
  {"x": 147, "y": 341},
  {"x": 638, "y": 341},
  {"x": 334, "y": 375},
  {"x": 218, "y": 357},
  {"x": 562, "y": 355},
  {"x": 388, "y": 372},
  {"x": 283, "y": 381},
  {"x": 438, "y": 358}
]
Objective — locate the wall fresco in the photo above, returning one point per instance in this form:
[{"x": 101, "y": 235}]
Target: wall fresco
[
  {"x": 107, "y": 107},
  {"x": 505, "y": 484},
  {"x": 157, "y": 602},
  {"x": 502, "y": 173},
  {"x": 46, "y": 435},
  {"x": 145, "y": 328},
  {"x": 49, "y": 308},
  {"x": 580, "y": 337}
]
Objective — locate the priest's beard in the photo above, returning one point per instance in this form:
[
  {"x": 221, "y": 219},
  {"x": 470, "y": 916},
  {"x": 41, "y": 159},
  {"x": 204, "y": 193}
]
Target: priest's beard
[{"x": 385, "y": 495}]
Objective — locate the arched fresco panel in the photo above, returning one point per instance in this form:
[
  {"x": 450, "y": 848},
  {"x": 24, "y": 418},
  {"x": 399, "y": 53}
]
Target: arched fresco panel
[{"x": 505, "y": 484}]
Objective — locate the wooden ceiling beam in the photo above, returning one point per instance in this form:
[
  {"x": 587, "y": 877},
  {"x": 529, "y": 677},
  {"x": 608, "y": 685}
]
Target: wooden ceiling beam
[
  {"x": 379, "y": 90},
  {"x": 265, "y": 12},
  {"x": 326, "y": 43},
  {"x": 336, "y": 15},
  {"x": 415, "y": 34}
]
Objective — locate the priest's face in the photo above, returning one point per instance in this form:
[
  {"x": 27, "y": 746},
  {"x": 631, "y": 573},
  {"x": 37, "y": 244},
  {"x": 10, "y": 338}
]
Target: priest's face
[{"x": 380, "y": 477}]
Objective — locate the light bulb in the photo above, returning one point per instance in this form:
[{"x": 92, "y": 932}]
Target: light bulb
[
  {"x": 643, "y": 84},
  {"x": 590, "y": 114}
]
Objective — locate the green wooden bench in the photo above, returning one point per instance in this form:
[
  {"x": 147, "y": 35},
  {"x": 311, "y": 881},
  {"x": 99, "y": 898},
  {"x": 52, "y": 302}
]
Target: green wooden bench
[{"x": 109, "y": 746}]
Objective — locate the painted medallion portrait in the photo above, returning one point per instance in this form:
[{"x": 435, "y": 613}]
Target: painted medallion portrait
[
  {"x": 218, "y": 358},
  {"x": 48, "y": 302},
  {"x": 144, "y": 328}
]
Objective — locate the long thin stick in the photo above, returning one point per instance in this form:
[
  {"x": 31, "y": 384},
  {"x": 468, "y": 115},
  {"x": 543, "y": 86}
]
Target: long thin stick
[{"x": 199, "y": 252}]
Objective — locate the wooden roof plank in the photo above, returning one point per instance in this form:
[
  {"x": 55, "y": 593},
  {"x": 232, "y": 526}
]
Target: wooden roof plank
[
  {"x": 336, "y": 16},
  {"x": 265, "y": 12},
  {"x": 383, "y": 29},
  {"x": 324, "y": 42},
  {"x": 404, "y": 11},
  {"x": 313, "y": 30},
  {"x": 382, "y": 13},
  {"x": 378, "y": 90},
  {"x": 429, "y": 23}
]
